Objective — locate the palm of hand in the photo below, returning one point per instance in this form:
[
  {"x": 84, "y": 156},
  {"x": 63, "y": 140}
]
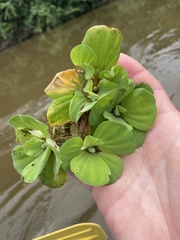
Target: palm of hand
[{"x": 145, "y": 202}]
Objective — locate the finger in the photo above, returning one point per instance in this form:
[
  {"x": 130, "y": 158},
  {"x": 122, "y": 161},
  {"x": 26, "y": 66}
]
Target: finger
[{"x": 139, "y": 74}]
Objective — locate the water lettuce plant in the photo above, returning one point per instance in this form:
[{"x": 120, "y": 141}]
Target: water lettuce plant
[{"x": 97, "y": 114}]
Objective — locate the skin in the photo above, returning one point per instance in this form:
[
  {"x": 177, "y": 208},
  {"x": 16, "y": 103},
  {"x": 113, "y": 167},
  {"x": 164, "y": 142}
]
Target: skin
[{"x": 144, "y": 204}]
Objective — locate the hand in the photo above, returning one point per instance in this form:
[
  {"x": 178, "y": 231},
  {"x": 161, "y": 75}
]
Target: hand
[{"x": 144, "y": 204}]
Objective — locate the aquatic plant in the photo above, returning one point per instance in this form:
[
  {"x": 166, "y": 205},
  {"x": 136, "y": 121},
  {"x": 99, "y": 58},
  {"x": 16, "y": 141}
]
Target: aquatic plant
[{"x": 97, "y": 114}]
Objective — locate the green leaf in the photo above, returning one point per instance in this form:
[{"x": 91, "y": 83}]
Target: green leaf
[
  {"x": 105, "y": 74},
  {"x": 65, "y": 83},
  {"x": 82, "y": 54},
  {"x": 34, "y": 147},
  {"x": 22, "y": 135},
  {"x": 56, "y": 153},
  {"x": 29, "y": 123},
  {"x": 36, "y": 133},
  {"x": 90, "y": 141},
  {"x": 105, "y": 87},
  {"x": 70, "y": 149},
  {"x": 87, "y": 107},
  {"x": 53, "y": 145},
  {"x": 110, "y": 74},
  {"x": 116, "y": 137},
  {"x": 111, "y": 117},
  {"x": 51, "y": 180},
  {"x": 119, "y": 71},
  {"x": 145, "y": 86},
  {"x": 140, "y": 136},
  {"x": 32, "y": 171},
  {"x": 117, "y": 75},
  {"x": 89, "y": 70},
  {"x": 141, "y": 109},
  {"x": 126, "y": 91},
  {"x": 20, "y": 159},
  {"x": 115, "y": 164},
  {"x": 121, "y": 77},
  {"x": 76, "y": 104},
  {"x": 58, "y": 111},
  {"x": 90, "y": 169},
  {"x": 119, "y": 110},
  {"x": 89, "y": 89},
  {"x": 105, "y": 42},
  {"x": 108, "y": 97},
  {"x": 105, "y": 103}
]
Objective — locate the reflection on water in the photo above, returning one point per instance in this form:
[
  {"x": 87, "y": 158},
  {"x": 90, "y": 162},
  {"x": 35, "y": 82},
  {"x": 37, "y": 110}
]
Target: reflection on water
[
  {"x": 41, "y": 209},
  {"x": 151, "y": 35}
]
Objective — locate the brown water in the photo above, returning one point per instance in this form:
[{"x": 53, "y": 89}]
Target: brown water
[{"x": 151, "y": 32}]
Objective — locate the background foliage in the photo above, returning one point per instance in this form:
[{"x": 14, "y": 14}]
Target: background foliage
[{"x": 20, "y": 19}]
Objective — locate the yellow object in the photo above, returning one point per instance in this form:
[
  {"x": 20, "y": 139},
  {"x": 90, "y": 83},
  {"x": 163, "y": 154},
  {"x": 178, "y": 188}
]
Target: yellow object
[{"x": 81, "y": 231}]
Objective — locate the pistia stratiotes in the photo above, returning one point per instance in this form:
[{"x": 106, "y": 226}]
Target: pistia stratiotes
[{"x": 97, "y": 113}]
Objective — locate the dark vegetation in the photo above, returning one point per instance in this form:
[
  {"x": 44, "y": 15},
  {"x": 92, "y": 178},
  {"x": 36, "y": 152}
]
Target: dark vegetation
[{"x": 21, "y": 19}]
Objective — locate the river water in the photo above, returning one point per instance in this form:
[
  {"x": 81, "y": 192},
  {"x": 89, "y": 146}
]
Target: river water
[{"x": 151, "y": 35}]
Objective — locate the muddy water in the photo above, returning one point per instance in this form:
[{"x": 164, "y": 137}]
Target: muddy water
[{"x": 151, "y": 35}]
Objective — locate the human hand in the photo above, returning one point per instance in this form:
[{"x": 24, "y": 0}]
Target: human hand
[{"x": 144, "y": 204}]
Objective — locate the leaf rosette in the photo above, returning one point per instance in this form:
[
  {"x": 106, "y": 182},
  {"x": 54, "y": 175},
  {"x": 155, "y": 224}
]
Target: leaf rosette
[
  {"x": 94, "y": 161},
  {"x": 36, "y": 151},
  {"x": 97, "y": 113}
]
